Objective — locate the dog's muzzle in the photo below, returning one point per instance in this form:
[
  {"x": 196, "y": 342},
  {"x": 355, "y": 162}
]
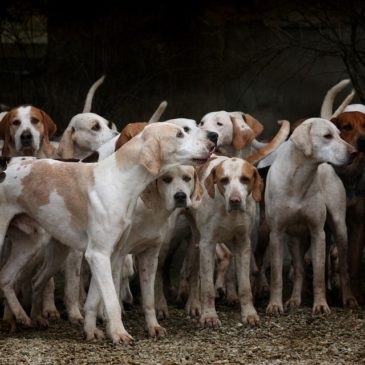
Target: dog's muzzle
[
  {"x": 26, "y": 138},
  {"x": 212, "y": 136},
  {"x": 180, "y": 199},
  {"x": 235, "y": 203}
]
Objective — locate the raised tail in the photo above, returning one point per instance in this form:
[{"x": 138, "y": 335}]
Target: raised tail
[
  {"x": 90, "y": 94},
  {"x": 327, "y": 104},
  {"x": 271, "y": 146},
  {"x": 157, "y": 114}
]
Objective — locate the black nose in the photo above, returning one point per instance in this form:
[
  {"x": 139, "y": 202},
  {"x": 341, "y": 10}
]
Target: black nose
[
  {"x": 361, "y": 144},
  {"x": 235, "y": 203},
  {"x": 26, "y": 137},
  {"x": 180, "y": 197},
  {"x": 212, "y": 136}
]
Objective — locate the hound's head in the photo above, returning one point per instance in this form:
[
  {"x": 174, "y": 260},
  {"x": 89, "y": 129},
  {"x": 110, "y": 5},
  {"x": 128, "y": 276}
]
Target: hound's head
[
  {"x": 179, "y": 187},
  {"x": 166, "y": 145},
  {"x": 26, "y": 131},
  {"x": 320, "y": 140},
  {"x": 85, "y": 133},
  {"x": 234, "y": 129},
  {"x": 236, "y": 180}
]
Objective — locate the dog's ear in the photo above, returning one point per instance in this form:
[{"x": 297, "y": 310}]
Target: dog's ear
[
  {"x": 301, "y": 138},
  {"x": 128, "y": 132},
  {"x": 254, "y": 124},
  {"x": 150, "y": 156},
  {"x": 242, "y": 135},
  {"x": 258, "y": 186},
  {"x": 50, "y": 129},
  {"x": 66, "y": 147},
  {"x": 197, "y": 195},
  {"x": 5, "y": 134},
  {"x": 150, "y": 195},
  {"x": 210, "y": 182}
]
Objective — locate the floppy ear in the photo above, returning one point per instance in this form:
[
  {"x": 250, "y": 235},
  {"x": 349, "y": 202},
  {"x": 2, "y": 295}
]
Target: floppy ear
[
  {"x": 301, "y": 138},
  {"x": 258, "y": 186},
  {"x": 210, "y": 183},
  {"x": 50, "y": 129},
  {"x": 197, "y": 194},
  {"x": 150, "y": 195},
  {"x": 5, "y": 134},
  {"x": 241, "y": 134},
  {"x": 254, "y": 124},
  {"x": 66, "y": 146},
  {"x": 128, "y": 132},
  {"x": 150, "y": 156}
]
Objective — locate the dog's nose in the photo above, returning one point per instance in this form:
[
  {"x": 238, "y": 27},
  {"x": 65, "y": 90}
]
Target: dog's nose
[
  {"x": 180, "y": 197},
  {"x": 361, "y": 144},
  {"x": 212, "y": 136},
  {"x": 26, "y": 137},
  {"x": 235, "y": 202}
]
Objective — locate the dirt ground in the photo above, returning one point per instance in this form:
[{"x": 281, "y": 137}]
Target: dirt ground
[{"x": 297, "y": 337}]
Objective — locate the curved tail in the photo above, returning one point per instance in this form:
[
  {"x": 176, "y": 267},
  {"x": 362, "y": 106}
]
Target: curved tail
[
  {"x": 327, "y": 104},
  {"x": 157, "y": 114},
  {"x": 90, "y": 94},
  {"x": 280, "y": 137}
]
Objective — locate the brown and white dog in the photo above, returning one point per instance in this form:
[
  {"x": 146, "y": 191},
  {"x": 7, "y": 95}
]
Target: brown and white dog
[{"x": 27, "y": 131}]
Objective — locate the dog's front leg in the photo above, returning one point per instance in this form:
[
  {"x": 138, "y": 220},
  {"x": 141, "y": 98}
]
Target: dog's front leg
[
  {"x": 242, "y": 251},
  {"x": 100, "y": 265},
  {"x": 275, "y": 305},
  {"x": 147, "y": 266},
  {"x": 318, "y": 242},
  {"x": 209, "y": 317}
]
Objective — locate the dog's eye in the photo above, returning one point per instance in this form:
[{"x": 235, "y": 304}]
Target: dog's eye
[
  {"x": 224, "y": 180},
  {"x": 16, "y": 122},
  {"x": 34, "y": 120},
  {"x": 201, "y": 123},
  {"x": 186, "y": 178},
  {"x": 244, "y": 179},
  {"x": 167, "y": 179},
  {"x": 180, "y": 134},
  {"x": 219, "y": 123},
  {"x": 187, "y": 129},
  {"x": 347, "y": 127},
  {"x": 96, "y": 127},
  {"x": 328, "y": 136}
]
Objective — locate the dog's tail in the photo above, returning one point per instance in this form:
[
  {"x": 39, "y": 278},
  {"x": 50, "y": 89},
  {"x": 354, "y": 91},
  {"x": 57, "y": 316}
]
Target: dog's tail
[
  {"x": 270, "y": 147},
  {"x": 90, "y": 94},
  {"x": 327, "y": 104},
  {"x": 344, "y": 104},
  {"x": 157, "y": 114}
]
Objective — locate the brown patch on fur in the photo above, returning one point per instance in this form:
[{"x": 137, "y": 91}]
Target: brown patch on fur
[
  {"x": 36, "y": 190},
  {"x": 241, "y": 136},
  {"x": 128, "y": 132},
  {"x": 351, "y": 125},
  {"x": 200, "y": 170}
]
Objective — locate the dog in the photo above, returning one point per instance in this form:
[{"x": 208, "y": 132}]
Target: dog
[
  {"x": 297, "y": 202},
  {"x": 227, "y": 214},
  {"x": 27, "y": 131},
  {"x": 84, "y": 215}
]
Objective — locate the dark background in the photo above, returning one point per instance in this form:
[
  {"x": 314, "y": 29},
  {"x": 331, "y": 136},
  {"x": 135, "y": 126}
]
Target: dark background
[{"x": 272, "y": 59}]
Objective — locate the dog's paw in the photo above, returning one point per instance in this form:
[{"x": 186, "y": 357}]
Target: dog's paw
[
  {"x": 350, "y": 302},
  {"x": 210, "y": 321},
  {"x": 121, "y": 337},
  {"x": 76, "y": 320},
  {"x": 321, "y": 307},
  {"x": 292, "y": 303},
  {"x": 156, "y": 331},
  {"x": 40, "y": 322},
  {"x": 252, "y": 319},
  {"x": 193, "y": 308},
  {"x": 274, "y": 309},
  {"x": 162, "y": 313},
  {"x": 51, "y": 313},
  {"x": 94, "y": 335},
  {"x": 23, "y": 320}
]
